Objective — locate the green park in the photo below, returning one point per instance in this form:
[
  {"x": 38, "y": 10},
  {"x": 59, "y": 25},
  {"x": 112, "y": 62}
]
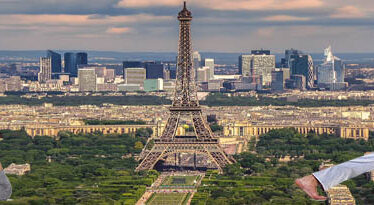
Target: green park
[{"x": 99, "y": 169}]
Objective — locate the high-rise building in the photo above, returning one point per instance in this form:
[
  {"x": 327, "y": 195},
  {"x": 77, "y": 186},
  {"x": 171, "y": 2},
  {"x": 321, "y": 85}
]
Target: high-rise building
[
  {"x": 196, "y": 57},
  {"x": 331, "y": 72},
  {"x": 262, "y": 65},
  {"x": 45, "y": 72},
  {"x": 87, "y": 80},
  {"x": 82, "y": 58},
  {"x": 277, "y": 81},
  {"x": 203, "y": 74},
  {"x": 209, "y": 62},
  {"x": 71, "y": 64},
  {"x": 56, "y": 61},
  {"x": 245, "y": 64},
  {"x": 196, "y": 60},
  {"x": 135, "y": 76},
  {"x": 339, "y": 69},
  {"x": 132, "y": 64},
  {"x": 154, "y": 70},
  {"x": 286, "y": 74},
  {"x": 326, "y": 73},
  {"x": 302, "y": 65},
  {"x": 285, "y": 62}
]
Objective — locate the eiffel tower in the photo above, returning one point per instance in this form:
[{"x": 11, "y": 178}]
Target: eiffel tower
[{"x": 185, "y": 104}]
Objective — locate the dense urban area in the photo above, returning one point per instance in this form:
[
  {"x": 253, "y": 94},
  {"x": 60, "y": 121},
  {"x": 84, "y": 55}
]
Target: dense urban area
[{"x": 73, "y": 131}]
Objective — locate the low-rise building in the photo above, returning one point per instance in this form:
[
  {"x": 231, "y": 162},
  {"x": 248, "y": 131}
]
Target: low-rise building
[
  {"x": 340, "y": 195},
  {"x": 19, "y": 170}
]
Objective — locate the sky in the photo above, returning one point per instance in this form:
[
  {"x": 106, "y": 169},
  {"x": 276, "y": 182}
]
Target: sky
[{"x": 217, "y": 26}]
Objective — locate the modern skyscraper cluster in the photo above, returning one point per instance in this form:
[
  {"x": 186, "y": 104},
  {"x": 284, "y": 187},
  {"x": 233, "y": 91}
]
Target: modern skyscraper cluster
[
  {"x": 52, "y": 66},
  {"x": 148, "y": 76},
  {"x": 203, "y": 68},
  {"x": 297, "y": 71}
]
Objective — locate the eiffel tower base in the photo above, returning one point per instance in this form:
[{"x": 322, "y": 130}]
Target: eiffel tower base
[{"x": 164, "y": 149}]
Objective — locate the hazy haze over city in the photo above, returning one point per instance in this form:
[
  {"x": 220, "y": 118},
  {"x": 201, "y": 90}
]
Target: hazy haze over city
[{"x": 219, "y": 25}]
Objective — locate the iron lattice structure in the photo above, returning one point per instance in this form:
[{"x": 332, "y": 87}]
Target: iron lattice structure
[{"x": 185, "y": 104}]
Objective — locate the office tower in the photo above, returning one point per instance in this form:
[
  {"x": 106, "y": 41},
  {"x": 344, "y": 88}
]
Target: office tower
[
  {"x": 326, "y": 71},
  {"x": 326, "y": 74},
  {"x": 331, "y": 72},
  {"x": 260, "y": 52},
  {"x": 209, "y": 62},
  {"x": 82, "y": 58},
  {"x": 286, "y": 74},
  {"x": 45, "y": 72},
  {"x": 203, "y": 74},
  {"x": 154, "y": 70},
  {"x": 261, "y": 66},
  {"x": 135, "y": 76},
  {"x": 196, "y": 58},
  {"x": 245, "y": 65},
  {"x": 285, "y": 62},
  {"x": 71, "y": 64},
  {"x": 132, "y": 64},
  {"x": 87, "y": 80},
  {"x": 277, "y": 81},
  {"x": 339, "y": 69},
  {"x": 56, "y": 61},
  {"x": 303, "y": 65}
]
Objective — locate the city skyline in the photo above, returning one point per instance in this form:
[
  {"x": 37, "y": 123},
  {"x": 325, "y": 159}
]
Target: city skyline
[{"x": 128, "y": 25}]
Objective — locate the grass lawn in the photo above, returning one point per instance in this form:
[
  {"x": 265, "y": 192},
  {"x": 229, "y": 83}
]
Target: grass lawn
[
  {"x": 167, "y": 199},
  {"x": 179, "y": 180}
]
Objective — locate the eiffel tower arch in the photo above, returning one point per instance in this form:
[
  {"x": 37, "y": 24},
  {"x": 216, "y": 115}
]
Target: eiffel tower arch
[{"x": 185, "y": 105}]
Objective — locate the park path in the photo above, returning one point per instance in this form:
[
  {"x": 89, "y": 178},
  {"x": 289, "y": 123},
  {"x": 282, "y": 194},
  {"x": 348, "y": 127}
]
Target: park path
[{"x": 157, "y": 188}]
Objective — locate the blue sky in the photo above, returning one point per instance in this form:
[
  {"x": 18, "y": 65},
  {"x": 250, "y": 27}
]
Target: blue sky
[{"x": 218, "y": 25}]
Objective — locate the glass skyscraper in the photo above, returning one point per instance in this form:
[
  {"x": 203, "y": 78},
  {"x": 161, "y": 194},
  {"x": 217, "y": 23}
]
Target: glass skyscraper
[
  {"x": 56, "y": 61},
  {"x": 82, "y": 59},
  {"x": 302, "y": 64},
  {"x": 71, "y": 64},
  {"x": 154, "y": 70}
]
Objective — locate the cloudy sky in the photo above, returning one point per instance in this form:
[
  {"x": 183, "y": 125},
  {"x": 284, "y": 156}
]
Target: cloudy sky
[{"x": 218, "y": 25}]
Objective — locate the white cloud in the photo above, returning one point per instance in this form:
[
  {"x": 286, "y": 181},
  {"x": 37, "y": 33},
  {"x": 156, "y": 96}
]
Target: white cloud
[
  {"x": 65, "y": 19},
  {"x": 284, "y": 18},
  {"x": 118, "y": 30},
  {"x": 348, "y": 12}
]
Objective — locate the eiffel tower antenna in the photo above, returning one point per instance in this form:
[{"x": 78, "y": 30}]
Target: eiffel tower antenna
[{"x": 185, "y": 103}]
